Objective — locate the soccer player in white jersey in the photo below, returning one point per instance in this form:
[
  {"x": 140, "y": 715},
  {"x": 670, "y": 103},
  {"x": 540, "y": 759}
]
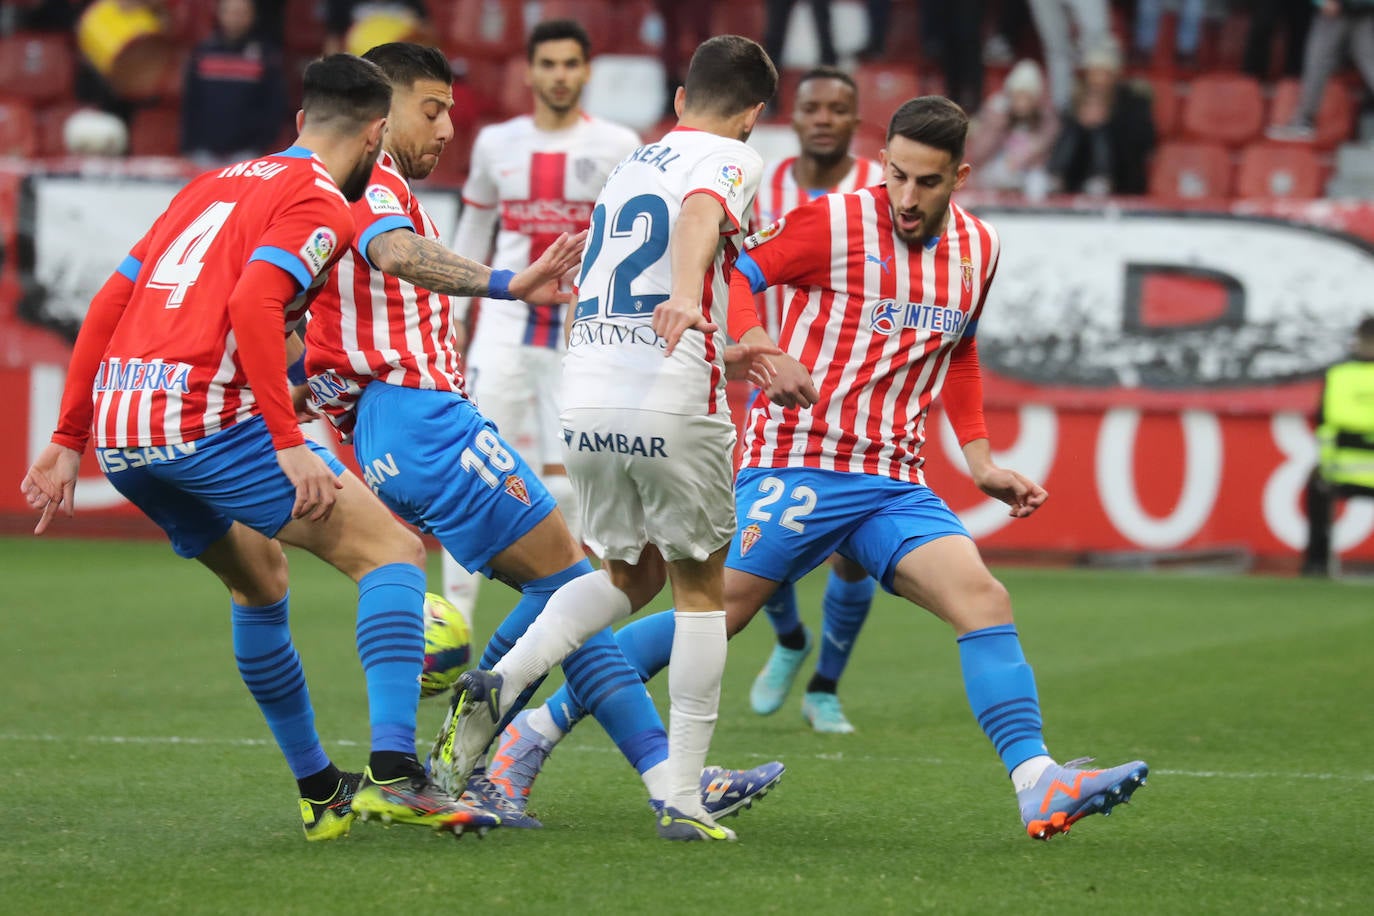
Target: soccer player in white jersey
[
  {"x": 532, "y": 177},
  {"x": 648, "y": 439},
  {"x": 825, "y": 115},
  {"x": 384, "y": 368},
  {"x": 890, "y": 284}
]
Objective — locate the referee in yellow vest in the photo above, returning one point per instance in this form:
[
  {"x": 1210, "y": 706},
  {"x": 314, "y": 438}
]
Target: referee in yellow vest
[{"x": 1345, "y": 434}]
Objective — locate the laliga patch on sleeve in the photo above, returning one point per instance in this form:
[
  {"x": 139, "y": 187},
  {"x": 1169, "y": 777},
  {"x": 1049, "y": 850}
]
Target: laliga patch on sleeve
[
  {"x": 381, "y": 199},
  {"x": 730, "y": 179},
  {"x": 767, "y": 232},
  {"x": 318, "y": 247}
]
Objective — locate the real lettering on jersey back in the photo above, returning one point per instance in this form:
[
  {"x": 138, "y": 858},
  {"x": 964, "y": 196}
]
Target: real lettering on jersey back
[
  {"x": 876, "y": 321},
  {"x": 171, "y": 372},
  {"x": 614, "y": 357}
]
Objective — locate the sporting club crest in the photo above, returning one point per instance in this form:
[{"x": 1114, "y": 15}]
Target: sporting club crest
[
  {"x": 516, "y": 487},
  {"x": 748, "y": 538}
]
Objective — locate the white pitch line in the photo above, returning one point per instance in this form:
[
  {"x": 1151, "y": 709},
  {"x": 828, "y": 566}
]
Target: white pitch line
[{"x": 852, "y": 758}]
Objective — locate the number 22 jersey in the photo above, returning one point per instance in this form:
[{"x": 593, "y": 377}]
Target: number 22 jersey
[{"x": 614, "y": 357}]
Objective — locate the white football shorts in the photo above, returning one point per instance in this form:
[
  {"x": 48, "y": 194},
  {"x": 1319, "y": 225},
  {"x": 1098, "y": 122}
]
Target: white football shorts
[
  {"x": 645, "y": 477},
  {"x": 518, "y": 388}
]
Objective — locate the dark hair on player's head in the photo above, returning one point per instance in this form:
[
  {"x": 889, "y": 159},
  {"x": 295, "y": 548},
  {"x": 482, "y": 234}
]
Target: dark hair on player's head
[
  {"x": 344, "y": 92},
  {"x": 558, "y": 30},
  {"x": 830, "y": 73},
  {"x": 406, "y": 63},
  {"x": 933, "y": 120},
  {"x": 1365, "y": 329},
  {"x": 729, "y": 74}
]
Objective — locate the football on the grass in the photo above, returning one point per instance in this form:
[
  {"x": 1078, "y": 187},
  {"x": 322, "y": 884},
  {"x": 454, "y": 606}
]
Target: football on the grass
[{"x": 448, "y": 645}]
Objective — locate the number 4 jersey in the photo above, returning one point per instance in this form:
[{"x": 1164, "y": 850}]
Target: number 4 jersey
[
  {"x": 614, "y": 357},
  {"x": 171, "y": 372}
]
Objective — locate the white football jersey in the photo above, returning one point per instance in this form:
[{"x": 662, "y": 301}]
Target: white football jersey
[
  {"x": 529, "y": 185},
  {"x": 614, "y": 357}
]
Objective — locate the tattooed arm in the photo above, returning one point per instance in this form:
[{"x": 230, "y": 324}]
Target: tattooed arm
[{"x": 427, "y": 264}]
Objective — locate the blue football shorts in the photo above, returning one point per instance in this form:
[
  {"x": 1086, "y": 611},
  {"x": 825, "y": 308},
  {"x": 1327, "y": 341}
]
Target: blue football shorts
[
  {"x": 441, "y": 465},
  {"x": 195, "y": 491},
  {"x": 792, "y": 519}
]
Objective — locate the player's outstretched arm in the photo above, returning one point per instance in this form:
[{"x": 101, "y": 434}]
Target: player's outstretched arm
[
  {"x": 691, "y": 249},
  {"x": 1011, "y": 487},
  {"x": 429, "y": 265},
  {"x": 784, "y": 381}
]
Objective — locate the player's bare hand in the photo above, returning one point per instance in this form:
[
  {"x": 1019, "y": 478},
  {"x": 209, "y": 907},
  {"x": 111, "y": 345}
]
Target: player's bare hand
[
  {"x": 300, "y": 400},
  {"x": 749, "y": 362},
  {"x": 50, "y": 483},
  {"x": 1015, "y": 489},
  {"x": 543, "y": 282},
  {"x": 675, "y": 316},
  {"x": 791, "y": 385},
  {"x": 315, "y": 483}
]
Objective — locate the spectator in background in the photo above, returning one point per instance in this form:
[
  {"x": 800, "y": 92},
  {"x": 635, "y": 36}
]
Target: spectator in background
[
  {"x": 879, "y": 14},
  {"x": 1010, "y": 139},
  {"x": 1345, "y": 433},
  {"x": 952, "y": 31},
  {"x": 1188, "y": 36},
  {"x": 690, "y": 19},
  {"x": 340, "y": 16},
  {"x": 775, "y": 29},
  {"x": 1339, "y": 25},
  {"x": 1108, "y": 132},
  {"x": 234, "y": 104},
  {"x": 1259, "y": 39},
  {"x": 1052, "y": 21}
]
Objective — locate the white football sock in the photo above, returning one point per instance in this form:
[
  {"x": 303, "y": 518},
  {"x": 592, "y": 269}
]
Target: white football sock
[
  {"x": 656, "y": 780},
  {"x": 578, "y": 609},
  {"x": 1028, "y": 773},
  {"x": 694, "y": 672},
  {"x": 541, "y": 720},
  {"x": 561, "y": 489},
  {"x": 460, "y": 587}
]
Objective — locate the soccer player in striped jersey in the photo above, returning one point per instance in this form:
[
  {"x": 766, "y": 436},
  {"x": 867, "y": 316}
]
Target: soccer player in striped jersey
[
  {"x": 180, "y": 375},
  {"x": 890, "y": 284},
  {"x": 532, "y": 177},
  {"x": 384, "y": 368},
  {"x": 825, "y": 115}
]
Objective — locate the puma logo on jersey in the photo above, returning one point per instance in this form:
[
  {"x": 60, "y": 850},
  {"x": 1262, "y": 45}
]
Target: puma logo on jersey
[{"x": 881, "y": 262}]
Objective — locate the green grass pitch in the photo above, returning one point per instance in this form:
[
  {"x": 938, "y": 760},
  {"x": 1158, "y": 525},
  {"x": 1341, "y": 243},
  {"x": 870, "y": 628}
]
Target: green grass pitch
[{"x": 142, "y": 779}]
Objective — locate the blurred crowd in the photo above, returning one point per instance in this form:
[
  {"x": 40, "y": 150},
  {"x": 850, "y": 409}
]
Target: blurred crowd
[{"x": 1070, "y": 96}]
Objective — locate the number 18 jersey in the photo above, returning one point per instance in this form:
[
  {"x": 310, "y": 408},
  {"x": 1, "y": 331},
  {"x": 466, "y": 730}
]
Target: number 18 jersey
[{"x": 614, "y": 357}]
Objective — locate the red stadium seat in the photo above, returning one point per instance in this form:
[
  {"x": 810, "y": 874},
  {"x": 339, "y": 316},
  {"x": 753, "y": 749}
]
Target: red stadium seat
[
  {"x": 1191, "y": 171},
  {"x": 1225, "y": 108},
  {"x": 1279, "y": 170},
  {"x": 18, "y": 136},
  {"x": 882, "y": 88},
  {"x": 156, "y": 132},
  {"x": 49, "y": 123},
  {"x": 1335, "y": 118},
  {"x": 38, "y": 66},
  {"x": 486, "y": 28},
  {"x": 304, "y": 27}
]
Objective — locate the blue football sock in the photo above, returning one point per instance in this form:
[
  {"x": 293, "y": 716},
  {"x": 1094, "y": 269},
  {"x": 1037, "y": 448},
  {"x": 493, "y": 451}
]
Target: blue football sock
[
  {"x": 646, "y": 643},
  {"x": 605, "y": 685},
  {"x": 1001, "y": 691},
  {"x": 391, "y": 645},
  {"x": 846, "y": 607},
  {"x": 782, "y": 610},
  {"x": 271, "y": 670}
]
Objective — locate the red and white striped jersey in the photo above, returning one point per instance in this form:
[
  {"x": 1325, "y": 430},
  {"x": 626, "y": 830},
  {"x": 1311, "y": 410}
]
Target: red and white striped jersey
[
  {"x": 368, "y": 325},
  {"x": 171, "y": 372},
  {"x": 526, "y": 186},
  {"x": 779, "y": 194},
  {"x": 873, "y": 320},
  {"x": 614, "y": 358}
]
